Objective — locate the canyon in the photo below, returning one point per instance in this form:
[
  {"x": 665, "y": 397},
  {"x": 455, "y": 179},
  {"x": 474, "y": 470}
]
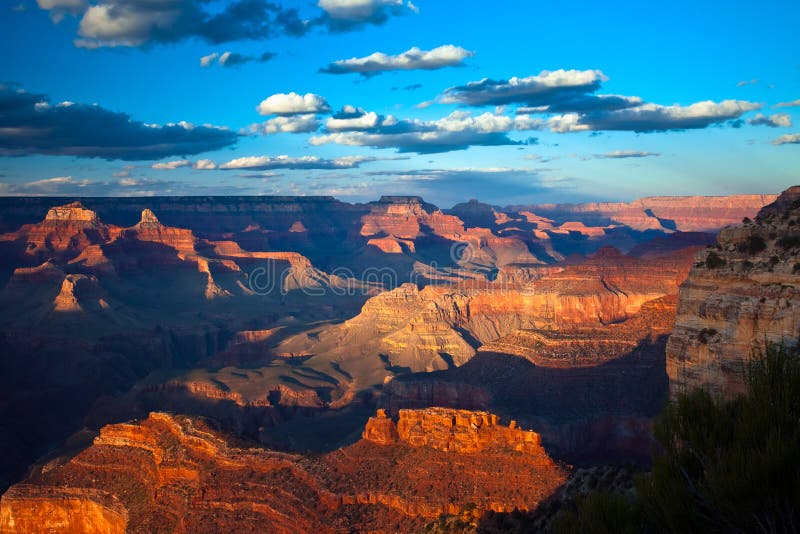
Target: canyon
[{"x": 329, "y": 366}]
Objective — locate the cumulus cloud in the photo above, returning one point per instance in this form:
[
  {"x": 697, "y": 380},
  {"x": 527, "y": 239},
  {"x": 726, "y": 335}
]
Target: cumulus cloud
[
  {"x": 412, "y": 59},
  {"x": 29, "y": 124},
  {"x": 110, "y": 23},
  {"x": 171, "y": 165},
  {"x": 351, "y": 118},
  {"x": 233, "y": 59},
  {"x": 293, "y": 104},
  {"x": 572, "y": 94},
  {"x": 788, "y": 139},
  {"x": 778, "y": 120},
  {"x": 583, "y": 103},
  {"x": 286, "y": 124},
  {"x": 793, "y": 103},
  {"x": 287, "y": 162},
  {"x": 345, "y": 15},
  {"x": 204, "y": 165},
  {"x": 59, "y": 8},
  {"x": 654, "y": 117},
  {"x": 134, "y": 23},
  {"x": 543, "y": 89},
  {"x": 457, "y": 131},
  {"x": 618, "y": 154}
]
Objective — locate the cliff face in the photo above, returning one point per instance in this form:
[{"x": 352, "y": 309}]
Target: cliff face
[
  {"x": 447, "y": 429},
  {"x": 589, "y": 390},
  {"x": 65, "y": 230},
  {"x": 687, "y": 214},
  {"x": 437, "y": 327},
  {"x": 177, "y": 474},
  {"x": 740, "y": 294}
]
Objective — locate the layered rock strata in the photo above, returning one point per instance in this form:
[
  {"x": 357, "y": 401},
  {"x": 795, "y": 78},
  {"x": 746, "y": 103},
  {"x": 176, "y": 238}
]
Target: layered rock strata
[{"x": 741, "y": 294}]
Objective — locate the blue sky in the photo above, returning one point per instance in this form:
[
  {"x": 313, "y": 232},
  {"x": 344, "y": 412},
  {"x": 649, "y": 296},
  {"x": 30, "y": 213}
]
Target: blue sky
[{"x": 707, "y": 98}]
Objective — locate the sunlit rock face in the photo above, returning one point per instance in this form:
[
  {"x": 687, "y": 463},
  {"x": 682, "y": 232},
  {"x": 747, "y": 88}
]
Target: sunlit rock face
[
  {"x": 686, "y": 214},
  {"x": 180, "y": 474},
  {"x": 741, "y": 294},
  {"x": 113, "y": 307},
  {"x": 453, "y": 430},
  {"x": 441, "y": 326}
]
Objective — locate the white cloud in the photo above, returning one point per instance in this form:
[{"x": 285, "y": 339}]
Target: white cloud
[
  {"x": 171, "y": 165},
  {"x": 204, "y": 164},
  {"x": 292, "y": 104},
  {"x": 542, "y": 88},
  {"x": 793, "y": 103},
  {"x": 747, "y": 82},
  {"x": 59, "y": 8},
  {"x": 788, "y": 139},
  {"x": 364, "y": 121},
  {"x": 412, "y": 59},
  {"x": 206, "y": 61},
  {"x": 457, "y": 131},
  {"x": 356, "y": 9},
  {"x": 653, "y": 117},
  {"x": 288, "y": 124},
  {"x": 617, "y": 154},
  {"x": 773, "y": 121},
  {"x": 287, "y": 162}
]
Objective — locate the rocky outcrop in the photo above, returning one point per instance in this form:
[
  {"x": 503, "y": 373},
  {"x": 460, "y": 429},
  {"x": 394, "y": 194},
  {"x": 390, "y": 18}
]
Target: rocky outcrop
[
  {"x": 741, "y": 294},
  {"x": 79, "y": 292},
  {"x": 35, "y": 509},
  {"x": 380, "y": 429},
  {"x": 172, "y": 473},
  {"x": 65, "y": 230},
  {"x": 150, "y": 229},
  {"x": 447, "y": 429}
]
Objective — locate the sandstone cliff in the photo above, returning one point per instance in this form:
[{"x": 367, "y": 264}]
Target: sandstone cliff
[
  {"x": 177, "y": 474},
  {"x": 740, "y": 294},
  {"x": 441, "y": 326},
  {"x": 448, "y": 429}
]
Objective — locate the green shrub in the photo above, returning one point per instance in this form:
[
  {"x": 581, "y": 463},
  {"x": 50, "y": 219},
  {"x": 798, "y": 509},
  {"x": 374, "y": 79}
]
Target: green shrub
[
  {"x": 600, "y": 513},
  {"x": 723, "y": 466},
  {"x": 731, "y": 466}
]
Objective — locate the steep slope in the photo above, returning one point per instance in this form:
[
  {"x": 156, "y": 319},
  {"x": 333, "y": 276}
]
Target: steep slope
[{"x": 741, "y": 293}]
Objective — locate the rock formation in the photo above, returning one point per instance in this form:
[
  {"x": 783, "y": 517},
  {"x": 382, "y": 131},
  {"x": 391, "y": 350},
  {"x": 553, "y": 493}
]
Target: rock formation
[
  {"x": 741, "y": 294},
  {"x": 687, "y": 214},
  {"x": 169, "y": 473},
  {"x": 66, "y": 229},
  {"x": 158, "y": 288},
  {"x": 447, "y": 429},
  {"x": 590, "y": 391},
  {"x": 441, "y": 326}
]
